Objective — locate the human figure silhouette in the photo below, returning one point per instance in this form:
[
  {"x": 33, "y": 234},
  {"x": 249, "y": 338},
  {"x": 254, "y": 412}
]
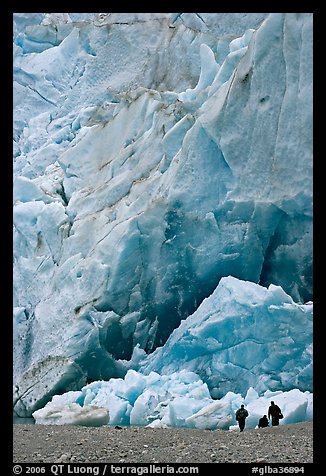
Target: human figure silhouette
[{"x": 241, "y": 415}]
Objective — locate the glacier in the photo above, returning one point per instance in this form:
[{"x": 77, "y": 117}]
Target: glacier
[
  {"x": 242, "y": 336},
  {"x": 230, "y": 351},
  {"x": 177, "y": 400},
  {"x": 162, "y": 167}
]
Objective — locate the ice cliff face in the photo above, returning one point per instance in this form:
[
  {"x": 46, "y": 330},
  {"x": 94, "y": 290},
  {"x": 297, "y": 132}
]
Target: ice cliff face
[
  {"x": 242, "y": 335},
  {"x": 154, "y": 154}
]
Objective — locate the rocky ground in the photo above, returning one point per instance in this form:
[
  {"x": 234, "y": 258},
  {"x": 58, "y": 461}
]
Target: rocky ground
[{"x": 63, "y": 444}]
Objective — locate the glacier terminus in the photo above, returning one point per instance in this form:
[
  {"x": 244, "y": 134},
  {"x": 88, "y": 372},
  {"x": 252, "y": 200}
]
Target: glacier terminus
[{"x": 163, "y": 217}]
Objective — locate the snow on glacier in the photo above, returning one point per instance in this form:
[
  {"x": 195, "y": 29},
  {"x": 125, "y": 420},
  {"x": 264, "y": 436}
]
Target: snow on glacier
[{"x": 145, "y": 174}]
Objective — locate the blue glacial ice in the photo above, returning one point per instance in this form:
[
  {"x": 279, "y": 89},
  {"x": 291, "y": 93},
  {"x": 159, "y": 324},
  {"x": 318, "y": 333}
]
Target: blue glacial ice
[
  {"x": 179, "y": 399},
  {"x": 154, "y": 168},
  {"x": 242, "y": 336},
  {"x": 244, "y": 344}
]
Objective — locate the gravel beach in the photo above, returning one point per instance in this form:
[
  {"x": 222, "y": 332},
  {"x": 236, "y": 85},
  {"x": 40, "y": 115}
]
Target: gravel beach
[{"x": 77, "y": 444}]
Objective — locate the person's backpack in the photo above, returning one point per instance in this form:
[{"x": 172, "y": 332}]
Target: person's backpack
[
  {"x": 280, "y": 414},
  {"x": 241, "y": 413}
]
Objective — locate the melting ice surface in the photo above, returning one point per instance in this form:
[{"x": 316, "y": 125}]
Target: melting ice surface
[{"x": 162, "y": 213}]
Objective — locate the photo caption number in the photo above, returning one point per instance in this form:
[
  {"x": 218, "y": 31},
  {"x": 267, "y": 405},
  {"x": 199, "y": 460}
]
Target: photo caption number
[{"x": 291, "y": 469}]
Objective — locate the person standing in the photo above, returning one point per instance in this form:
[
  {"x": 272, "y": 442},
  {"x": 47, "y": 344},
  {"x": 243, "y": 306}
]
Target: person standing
[
  {"x": 274, "y": 411},
  {"x": 241, "y": 415}
]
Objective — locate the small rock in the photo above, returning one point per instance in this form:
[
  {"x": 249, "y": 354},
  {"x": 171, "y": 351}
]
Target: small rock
[{"x": 64, "y": 458}]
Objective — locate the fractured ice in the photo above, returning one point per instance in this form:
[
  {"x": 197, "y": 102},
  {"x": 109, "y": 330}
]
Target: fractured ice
[
  {"x": 154, "y": 156},
  {"x": 179, "y": 399},
  {"x": 242, "y": 336},
  {"x": 242, "y": 345}
]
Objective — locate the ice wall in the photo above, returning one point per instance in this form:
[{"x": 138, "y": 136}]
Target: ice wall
[
  {"x": 154, "y": 154},
  {"x": 242, "y": 336}
]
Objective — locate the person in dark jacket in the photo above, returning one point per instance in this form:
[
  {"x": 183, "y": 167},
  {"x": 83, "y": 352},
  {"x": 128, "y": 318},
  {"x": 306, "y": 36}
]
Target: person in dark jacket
[
  {"x": 274, "y": 411},
  {"x": 263, "y": 422},
  {"x": 241, "y": 416}
]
